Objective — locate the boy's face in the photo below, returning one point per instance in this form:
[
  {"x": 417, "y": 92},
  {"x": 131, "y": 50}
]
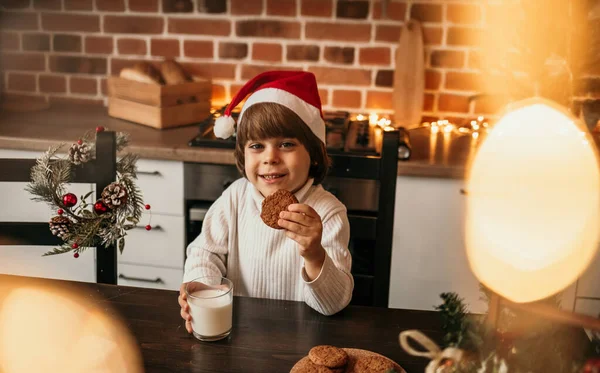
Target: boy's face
[{"x": 276, "y": 163}]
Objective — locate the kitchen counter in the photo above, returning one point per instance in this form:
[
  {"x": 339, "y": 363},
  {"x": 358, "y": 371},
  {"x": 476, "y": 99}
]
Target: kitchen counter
[{"x": 432, "y": 156}]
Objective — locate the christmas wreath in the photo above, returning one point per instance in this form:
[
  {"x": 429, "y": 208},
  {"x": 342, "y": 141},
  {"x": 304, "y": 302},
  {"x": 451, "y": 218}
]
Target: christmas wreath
[{"x": 81, "y": 225}]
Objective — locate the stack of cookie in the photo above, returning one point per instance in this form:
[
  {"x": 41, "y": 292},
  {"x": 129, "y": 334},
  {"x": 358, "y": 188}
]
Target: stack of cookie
[
  {"x": 331, "y": 359},
  {"x": 323, "y": 359}
]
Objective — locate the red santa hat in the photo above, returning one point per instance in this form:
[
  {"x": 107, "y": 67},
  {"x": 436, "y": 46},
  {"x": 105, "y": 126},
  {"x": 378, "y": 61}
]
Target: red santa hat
[{"x": 296, "y": 90}]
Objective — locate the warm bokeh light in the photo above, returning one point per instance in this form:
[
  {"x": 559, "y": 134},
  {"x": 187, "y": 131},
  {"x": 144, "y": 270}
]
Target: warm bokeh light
[
  {"x": 44, "y": 330},
  {"x": 533, "y": 202}
]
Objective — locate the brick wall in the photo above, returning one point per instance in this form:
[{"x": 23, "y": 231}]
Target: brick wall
[{"x": 62, "y": 50}]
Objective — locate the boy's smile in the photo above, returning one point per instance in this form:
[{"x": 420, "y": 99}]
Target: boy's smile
[{"x": 276, "y": 163}]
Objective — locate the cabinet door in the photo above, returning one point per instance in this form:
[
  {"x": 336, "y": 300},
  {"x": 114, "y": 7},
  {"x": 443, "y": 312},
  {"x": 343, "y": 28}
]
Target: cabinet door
[
  {"x": 161, "y": 183},
  {"x": 17, "y": 206},
  {"x": 150, "y": 277},
  {"x": 428, "y": 249}
]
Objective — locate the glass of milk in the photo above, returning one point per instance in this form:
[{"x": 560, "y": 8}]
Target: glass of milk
[{"x": 210, "y": 299}]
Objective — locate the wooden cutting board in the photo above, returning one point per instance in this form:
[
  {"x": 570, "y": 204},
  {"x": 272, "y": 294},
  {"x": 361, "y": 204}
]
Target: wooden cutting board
[{"x": 409, "y": 76}]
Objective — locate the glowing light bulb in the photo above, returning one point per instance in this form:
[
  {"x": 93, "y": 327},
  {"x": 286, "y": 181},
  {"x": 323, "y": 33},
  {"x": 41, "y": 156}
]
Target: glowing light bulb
[{"x": 533, "y": 202}]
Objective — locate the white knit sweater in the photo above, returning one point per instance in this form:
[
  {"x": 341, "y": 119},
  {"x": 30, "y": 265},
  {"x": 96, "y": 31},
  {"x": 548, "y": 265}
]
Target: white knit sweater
[{"x": 263, "y": 262}]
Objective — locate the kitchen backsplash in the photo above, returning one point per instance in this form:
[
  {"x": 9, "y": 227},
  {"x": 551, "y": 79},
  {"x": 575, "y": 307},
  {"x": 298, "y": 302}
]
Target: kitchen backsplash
[{"x": 62, "y": 50}]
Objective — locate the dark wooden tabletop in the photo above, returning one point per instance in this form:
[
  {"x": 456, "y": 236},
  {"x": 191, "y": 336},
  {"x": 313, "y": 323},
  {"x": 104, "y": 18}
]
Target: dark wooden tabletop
[{"x": 267, "y": 336}]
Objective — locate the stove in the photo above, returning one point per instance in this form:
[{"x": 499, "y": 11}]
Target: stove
[{"x": 343, "y": 135}]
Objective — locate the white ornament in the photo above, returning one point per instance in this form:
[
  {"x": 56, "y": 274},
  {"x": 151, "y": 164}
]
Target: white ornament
[{"x": 224, "y": 127}]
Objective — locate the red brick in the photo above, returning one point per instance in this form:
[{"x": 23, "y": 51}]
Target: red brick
[
  {"x": 133, "y": 24},
  {"x": 426, "y": 12},
  {"x": 47, "y": 4},
  {"x": 463, "y": 13},
  {"x": 233, "y": 50},
  {"x": 396, "y": 10},
  {"x": 79, "y": 4},
  {"x": 268, "y": 29},
  {"x": 22, "y": 82},
  {"x": 388, "y": 33},
  {"x": 384, "y": 78},
  {"x": 432, "y": 79},
  {"x": 432, "y": 35},
  {"x": 212, "y": 6},
  {"x": 83, "y": 85},
  {"x": 343, "y": 55},
  {"x": 35, "y": 42},
  {"x": 20, "y": 21},
  {"x": 198, "y": 48},
  {"x": 29, "y": 98},
  {"x": 178, "y": 6},
  {"x": 246, "y": 7},
  {"x": 324, "y": 96},
  {"x": 104, "y": 86},
  {"x": 77, "y": 65},
  {"x": 16, "y": 4},
  {"x": 110, "y": 5},
  {"x": 131, "y": 46},
  {"x": 475, "y": 60},
  {"x": 267, "y": 52},
  {"x": 250, "y": 71},
  {"x": 316, "y": 8},
  {"x": 72, "y": 101},
  {"x": 9, "y": 41},
  {"x": 464, "y": 81},
  {"x": 379, "y": 100},
  {"x": 355, "y": 9},
  {"x": 338, "y": 31},
  {"x": 23, "y": 62},
  {"x": 70, "y": 22},
  {"x": 99, "y": 44},
  {"x": 199, "y": 26},
  {"x": 234, "y": 89},
  {"x": 346, "y": 98},
  {"x": 446, "y": 58},
  {"x": 281, "y": 8},
  {"x": 66, "y": 43},
  {"x": 211, "y": 70},
  {"x": 143, "y": 5},
  {"x": 428, "y": 101},
  {"x": 374, "y": 56},
  {"x": 490, "y": 104},
  {"x": 465, "y": 36},
  {"x": 453, "y": 103},
  {"x": 52, "y": 83},
  {"x": 335, "y": 76},
  {"x": 302, "y": 53},
  {"x": 165, "y": 47},
  {"x": 218, "y": 96}
]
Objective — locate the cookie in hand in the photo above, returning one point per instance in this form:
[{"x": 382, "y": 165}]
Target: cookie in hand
[{"x": 275, "y": 204}]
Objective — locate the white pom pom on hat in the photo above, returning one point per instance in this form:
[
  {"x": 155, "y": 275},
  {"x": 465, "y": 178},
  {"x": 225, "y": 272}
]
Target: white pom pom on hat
[{"x": 296, "y": 90}]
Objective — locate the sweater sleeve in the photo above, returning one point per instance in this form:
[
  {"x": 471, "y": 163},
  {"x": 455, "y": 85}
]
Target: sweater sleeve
[
  {"x": 207, "y": 254},
  {"x": 331, "y": 291}
]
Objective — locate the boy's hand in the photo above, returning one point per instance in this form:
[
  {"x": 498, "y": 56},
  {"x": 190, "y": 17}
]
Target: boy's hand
[
  {"x": 303, "y": 225},
  {"x": 185, "y": 308}
]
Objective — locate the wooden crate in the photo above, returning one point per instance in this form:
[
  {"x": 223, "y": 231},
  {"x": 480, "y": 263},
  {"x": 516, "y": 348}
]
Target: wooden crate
[{"x": 159, "y": 106}]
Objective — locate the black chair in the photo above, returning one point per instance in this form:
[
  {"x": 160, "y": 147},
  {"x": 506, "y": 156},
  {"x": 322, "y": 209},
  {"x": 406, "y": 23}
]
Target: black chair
[
  {"x": 100, "y": 171},
  {"x": 373, "y": 231}
]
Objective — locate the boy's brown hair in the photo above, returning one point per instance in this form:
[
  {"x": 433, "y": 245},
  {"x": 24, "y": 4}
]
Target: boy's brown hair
[{"x": 266, "y": 120}]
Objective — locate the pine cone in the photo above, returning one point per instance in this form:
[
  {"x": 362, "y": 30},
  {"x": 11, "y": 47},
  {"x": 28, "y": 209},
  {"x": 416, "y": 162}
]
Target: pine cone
[
  {"x": 59, "y": 226},
  {"x": 79, "y": 154},
  {"x": 114, "y": 195}
]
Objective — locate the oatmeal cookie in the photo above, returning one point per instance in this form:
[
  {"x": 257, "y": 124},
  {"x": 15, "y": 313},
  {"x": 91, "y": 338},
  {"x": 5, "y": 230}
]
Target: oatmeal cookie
[
  {"x": 373, "y": 364},
  {"x": 274, "y": 204},
  {"x": 329, "y": 356}
]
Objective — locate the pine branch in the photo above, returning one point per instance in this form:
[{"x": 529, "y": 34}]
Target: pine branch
[{"x": 59, "y": 250}]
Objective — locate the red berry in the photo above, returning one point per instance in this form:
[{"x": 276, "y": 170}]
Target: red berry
[
  {"x": 60, "y": 211},
  {"x": 75, "y": 245},
  {"x": 147, "y": 207},
  {"x": 79, "y": 142},
  {"x": 148, "y": 227},
  {"x": 76, "y": 255},
  {"x": 99, "y": 129}
]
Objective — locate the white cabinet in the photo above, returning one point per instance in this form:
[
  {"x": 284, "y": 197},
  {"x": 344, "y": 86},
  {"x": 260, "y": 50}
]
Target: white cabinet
[
  {"x": 17, "y": 206},
  {"x": 428, "y": 249}
]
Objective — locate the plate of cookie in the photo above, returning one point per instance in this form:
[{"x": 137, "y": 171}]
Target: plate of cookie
[{"x": 331, "y": 359}]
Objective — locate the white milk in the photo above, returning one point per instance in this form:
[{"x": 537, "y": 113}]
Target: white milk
[{"x": 210, "y": 316}]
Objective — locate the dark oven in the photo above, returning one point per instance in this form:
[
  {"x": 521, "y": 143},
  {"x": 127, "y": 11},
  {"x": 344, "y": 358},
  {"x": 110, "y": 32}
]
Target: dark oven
[{"x": 204, "y": 183}]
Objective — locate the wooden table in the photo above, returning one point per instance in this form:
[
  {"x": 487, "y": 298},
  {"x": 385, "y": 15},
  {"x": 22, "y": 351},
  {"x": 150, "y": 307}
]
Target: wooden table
[{"x": 268, "y": 335}]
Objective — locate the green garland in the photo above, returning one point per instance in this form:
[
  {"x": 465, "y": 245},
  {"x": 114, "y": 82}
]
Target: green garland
[
  {"x": 81, "y": 225},
  {"x": 521, "y": 343}
]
